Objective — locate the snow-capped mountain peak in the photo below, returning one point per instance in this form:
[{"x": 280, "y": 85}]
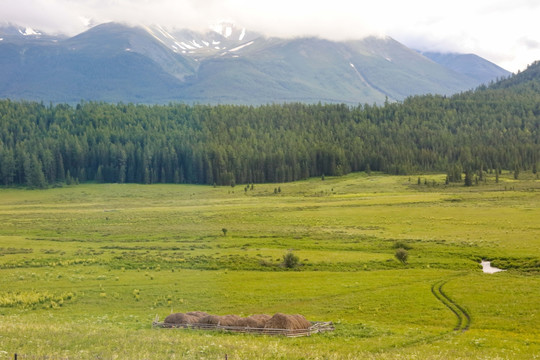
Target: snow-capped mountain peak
[
  {"x": 229, "y": 30},
  {"x": 221, "y": 39},
  {"x": 223, "y": 28},
  {"x": 29, "y": 31}
]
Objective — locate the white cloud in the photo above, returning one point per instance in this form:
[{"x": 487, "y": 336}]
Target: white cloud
[{"x": 499, "y": 30}]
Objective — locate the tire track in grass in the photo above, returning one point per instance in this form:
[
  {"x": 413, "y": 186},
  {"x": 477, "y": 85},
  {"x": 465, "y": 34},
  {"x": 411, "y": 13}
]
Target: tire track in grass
[{"x": 462, "y": 315}]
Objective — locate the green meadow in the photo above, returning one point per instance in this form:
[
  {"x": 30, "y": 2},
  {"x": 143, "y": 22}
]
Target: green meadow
[{"x": 85, "y": 269}]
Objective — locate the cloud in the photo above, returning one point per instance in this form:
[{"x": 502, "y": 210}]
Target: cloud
[
  {"x": 494, "y": 29},
  {"x": 529, "y": 43}
]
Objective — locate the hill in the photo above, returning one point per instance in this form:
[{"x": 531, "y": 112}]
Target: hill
[
  {"x": 470, "y": 65},
  {"x": 526, "y": 81}
]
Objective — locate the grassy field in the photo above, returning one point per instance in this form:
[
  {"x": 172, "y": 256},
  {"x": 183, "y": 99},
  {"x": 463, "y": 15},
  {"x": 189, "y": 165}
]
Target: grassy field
[{"x": 85, "y": 269}]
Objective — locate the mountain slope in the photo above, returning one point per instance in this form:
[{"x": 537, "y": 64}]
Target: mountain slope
[
  {"x": 470, "y": 65},
  {"x": 107, "y": 63},
  {"x": 306, "y": 70},
  {"x": 112, "y": 63},
  {"x": 398, "y": 71}
]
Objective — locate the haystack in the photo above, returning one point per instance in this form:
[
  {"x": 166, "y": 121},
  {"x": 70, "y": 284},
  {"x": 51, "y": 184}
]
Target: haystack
[
  {"x": 209, "y": 320},
  {"x": 288, "y": 322},
  {"x": 249, "y": 322},
  {"x": 253, "y": 321},
  {"x": 229, "y": 320},
  {"x": 259, "y": 320},
  {"x": 180, "y": 318},
  {"x": 226, "y": 320}
]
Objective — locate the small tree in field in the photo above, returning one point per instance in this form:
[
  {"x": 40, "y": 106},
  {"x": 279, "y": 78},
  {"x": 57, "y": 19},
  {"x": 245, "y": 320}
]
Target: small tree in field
[
  {"x": 402, "y": 255},
  {"x": 290, "y": 261},
  {"x": 224, "y": 230}
]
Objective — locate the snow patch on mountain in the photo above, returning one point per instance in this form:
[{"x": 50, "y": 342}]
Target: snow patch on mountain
[
  {"x": 148, "y": 30},
  {"x": 223, "y": 28},
  {"x": 165, "y": 33},
  {"x": 187, "y": 46},
  {"x": 241, "y": 46},
  {"x": 29, "y": 31}
]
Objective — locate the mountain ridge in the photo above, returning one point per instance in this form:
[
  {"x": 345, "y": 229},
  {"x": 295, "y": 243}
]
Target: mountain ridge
[{"x": 118, "y": 63}]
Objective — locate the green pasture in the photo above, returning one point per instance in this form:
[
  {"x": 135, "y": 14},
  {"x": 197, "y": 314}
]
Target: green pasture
[{"x": 85, "y": 269}]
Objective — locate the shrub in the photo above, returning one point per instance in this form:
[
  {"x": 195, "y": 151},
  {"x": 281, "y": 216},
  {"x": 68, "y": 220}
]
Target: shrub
[
  {"x": 290, "y": 261},
  {"x": 402, "y": 255}
]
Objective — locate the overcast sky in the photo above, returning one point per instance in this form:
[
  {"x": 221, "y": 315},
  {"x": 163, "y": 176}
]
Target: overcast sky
[{"x": 506, "y": 32}]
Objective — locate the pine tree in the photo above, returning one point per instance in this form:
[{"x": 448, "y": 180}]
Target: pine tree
[
  {"x": 468, "y": 178},
  {"x": 34, "y": 173}
]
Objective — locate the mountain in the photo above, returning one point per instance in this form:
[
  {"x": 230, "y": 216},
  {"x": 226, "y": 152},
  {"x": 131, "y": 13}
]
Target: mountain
[
  {"x": 470, "y": 65},
  {"x": 107, "y": 63},
  {"x": 17, "y": 34},
  {"x": 117, "y": 63}
]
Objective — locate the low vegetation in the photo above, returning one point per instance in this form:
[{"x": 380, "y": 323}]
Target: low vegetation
[
  {"x": 85, "y": 269},
  {"x": 402, "y": 255}
]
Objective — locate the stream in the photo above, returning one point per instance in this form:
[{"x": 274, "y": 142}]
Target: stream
[{"x": 488, "y": 269}]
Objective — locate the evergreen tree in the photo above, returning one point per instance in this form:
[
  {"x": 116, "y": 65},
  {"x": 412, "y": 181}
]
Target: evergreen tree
[
  {"x": 468, "y": 178},
  {"x": 34, "y": 173}
]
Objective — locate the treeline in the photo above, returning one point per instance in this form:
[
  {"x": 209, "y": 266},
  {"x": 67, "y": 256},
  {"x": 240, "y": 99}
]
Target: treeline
[{"x": 486, "y": 129}]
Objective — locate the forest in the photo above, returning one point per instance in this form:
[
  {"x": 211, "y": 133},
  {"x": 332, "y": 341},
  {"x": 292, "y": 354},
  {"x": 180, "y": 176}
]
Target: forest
[{"x": 492, "y": 127}]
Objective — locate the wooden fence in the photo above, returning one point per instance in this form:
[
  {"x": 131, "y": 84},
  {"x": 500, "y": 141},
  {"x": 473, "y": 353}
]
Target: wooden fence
[{"x": 315, "y": 328}]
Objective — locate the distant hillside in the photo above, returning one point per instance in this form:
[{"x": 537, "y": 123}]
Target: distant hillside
[
  {"x": 116, "y": 63},
  {"x": 470, "y": 65},
  {"x": 522, "y": 81}
]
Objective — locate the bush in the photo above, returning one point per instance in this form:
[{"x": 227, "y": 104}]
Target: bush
[
  {"x": 402, "y": 255},
  {"x": 290, "y": 261}
]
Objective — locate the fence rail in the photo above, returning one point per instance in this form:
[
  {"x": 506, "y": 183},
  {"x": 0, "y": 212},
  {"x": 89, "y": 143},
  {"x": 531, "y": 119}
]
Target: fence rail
[{"x": 316, "y": 327}]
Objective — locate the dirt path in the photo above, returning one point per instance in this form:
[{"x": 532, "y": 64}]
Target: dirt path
[{"x": 463, "y": 316}]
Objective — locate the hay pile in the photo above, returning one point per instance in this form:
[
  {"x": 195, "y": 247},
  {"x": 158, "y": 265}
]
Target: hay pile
[
  {"x": 227, "y": 320},
  {"x": 253, "y": 321},
  {"x": 209, "y": 320},
  {"x": 278, "y": 321},
  {"x": 181, "y": 319},
  {"x": 288, "y": 322}
]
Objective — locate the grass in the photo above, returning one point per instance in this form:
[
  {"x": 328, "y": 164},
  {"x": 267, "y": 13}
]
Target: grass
[{"x": 85, "y": 269}]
